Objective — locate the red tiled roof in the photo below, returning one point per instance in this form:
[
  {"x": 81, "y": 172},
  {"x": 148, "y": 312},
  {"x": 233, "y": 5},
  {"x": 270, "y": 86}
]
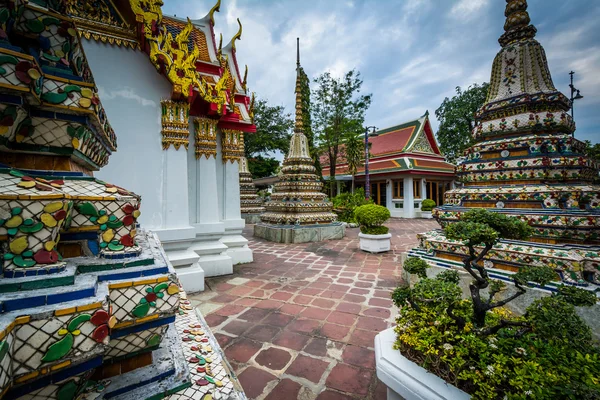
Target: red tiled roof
[
  {"x": 197, "y": 37},
  {"x": 391, "y": 142}
]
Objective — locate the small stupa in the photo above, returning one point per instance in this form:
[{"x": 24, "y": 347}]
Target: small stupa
[
  {"x": 526, "y": 163},
  {"x": 299, "y": 211},
  {"x": 251, "y": 205}
]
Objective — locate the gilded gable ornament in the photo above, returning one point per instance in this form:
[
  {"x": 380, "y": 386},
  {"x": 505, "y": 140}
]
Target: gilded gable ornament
[
  {"x": 232, "y": 145},
  {"x": 422, "y": 144}
]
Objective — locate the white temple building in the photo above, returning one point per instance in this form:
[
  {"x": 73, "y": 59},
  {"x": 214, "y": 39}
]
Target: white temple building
[{"x": 180, "y": 156}]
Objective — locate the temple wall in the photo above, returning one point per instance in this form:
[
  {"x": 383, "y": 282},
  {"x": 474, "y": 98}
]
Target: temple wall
[{"x": 131, "y": 90}]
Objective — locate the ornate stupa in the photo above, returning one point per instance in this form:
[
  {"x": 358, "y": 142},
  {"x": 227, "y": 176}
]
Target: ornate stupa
[
  {"x": 297, "y": 200},
  {"x": 526, "y": 163},
  {"x": 251, "y": 204},
  {"x": 90, "y": 306}
]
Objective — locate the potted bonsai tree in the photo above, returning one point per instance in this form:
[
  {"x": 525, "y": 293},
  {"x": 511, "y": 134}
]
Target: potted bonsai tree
[
  {"x": 455, "y": 348},
  {"x": 374, "y": 237},
  {"x": 426, "y": 206}
]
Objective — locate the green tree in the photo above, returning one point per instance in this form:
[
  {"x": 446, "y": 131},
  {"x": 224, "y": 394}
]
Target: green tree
[
  {"x": 273, "y": 131},
  {"x": 307, "y": 120},
  {"x": 457, "y": 120},
  {"x": 354, "y": 152},
  {"x": 338, "y": 110},
  {"x": 261, "y": 167}
]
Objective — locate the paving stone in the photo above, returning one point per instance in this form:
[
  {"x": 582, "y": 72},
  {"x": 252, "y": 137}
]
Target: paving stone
[
  {"x": 246, "y": 302},
  {"x": 230, "y": 310},
  {"x": 378, "y": 312},
  {"x": 315, "y": 313},
  {"x": 268, "y": 304},
  {"x": 308, "y": 368},
  {"x": 278, "y": 319},
  {"x": 238, "y": 281},
  {"x": 359, "y": 356},
  {"x": 224, "y": 298},
  {"x": 349, "y": 379},
  {"x": 323, "y": 303},
  {"x": 254, "y": 380},
  {"x": 303, "y": 325},
  {"x": 237, "y": 327},
  {"x": 262, "y": 333},
  {"x": 242, "y": 350},
  {"x": 376, "y": 302},
  {"x": 300, "y": 299},
  {"x": 317, "y": 347},
  {"x": 371, "y": 324},
  {"x": 291, "y": 309},
  {"x": 349, "y": 308},
  {"x": 223, "y": 287},
  {"x": 341, "y": 318},
  {"x": 333, "y": 331},
  {"x": 254, "y": 314},
  {"x": 215, "y": 320},
  {"x": 286, "y": 389},
  {"x": 361, "y": 337},
  {"x": 240, "y": 290},
  {"x": 273, "y": 358},
  {"x": 354, "y": 298},
  {"x": 291, "y": 340},
  {"x": 223, "y": 340},
  {"x": 283, "y": 296}
]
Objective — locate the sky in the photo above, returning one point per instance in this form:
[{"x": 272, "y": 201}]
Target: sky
[{"x": 411, "y": 53}]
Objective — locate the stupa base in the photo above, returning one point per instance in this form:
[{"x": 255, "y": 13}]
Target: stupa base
[
  {"x": 299, "y": 233},
  {"x": 251, "y": 218}
]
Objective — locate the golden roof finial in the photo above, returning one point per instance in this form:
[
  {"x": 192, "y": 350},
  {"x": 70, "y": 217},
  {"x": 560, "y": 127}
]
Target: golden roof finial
[
  {"x": 220, "y": 50},
  {"x": 245, "y": 81},
  {"x": 237, "y": 36},
  {"x": 299, "y": 124},
  {"x": 517, "y": 22},
  {"x": 211, "y": 13}
]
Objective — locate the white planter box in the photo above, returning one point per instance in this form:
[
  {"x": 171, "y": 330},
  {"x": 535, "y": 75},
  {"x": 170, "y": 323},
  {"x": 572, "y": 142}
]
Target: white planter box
[
  {"x": 375, "y": 243},
  {"x": 407, "y": 380},
  {"x": 426, "y": 214}
]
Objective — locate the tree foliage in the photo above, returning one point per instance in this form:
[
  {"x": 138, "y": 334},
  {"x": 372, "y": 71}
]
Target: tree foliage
[
  {"x": 457, "y": 120},
  {"x": 261, "y": 167},
  {"x": 338, "y": 111},
  {"x": 273, "y": 130},
  {"x": 354, "y": 153}
]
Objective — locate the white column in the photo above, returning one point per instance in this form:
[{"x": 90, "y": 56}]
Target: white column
[
  {"x": 237, "y": 245},
  {"x": 339, "y": 187},
  {"x": 409, "y": 199},
  {"x": 388, "y": 195}
]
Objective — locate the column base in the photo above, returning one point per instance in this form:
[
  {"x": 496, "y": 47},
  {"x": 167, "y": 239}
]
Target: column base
[
  {"x": 213, "y": 258},
  {"x": 237, "y": 249},
  {"x": 189, "y": 271}
]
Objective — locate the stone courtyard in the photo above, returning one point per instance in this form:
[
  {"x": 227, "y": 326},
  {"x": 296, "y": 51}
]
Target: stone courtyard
[{"x": 299, "y": 322}]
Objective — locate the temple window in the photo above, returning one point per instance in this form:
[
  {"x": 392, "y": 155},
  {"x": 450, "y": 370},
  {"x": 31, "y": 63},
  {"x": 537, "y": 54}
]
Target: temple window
[{"x": 398, "y": 190}]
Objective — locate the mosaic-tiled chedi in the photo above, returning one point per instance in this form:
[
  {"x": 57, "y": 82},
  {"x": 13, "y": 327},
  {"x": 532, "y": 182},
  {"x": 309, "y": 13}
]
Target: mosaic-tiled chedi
[
  {"x": 250, "y": 202},
  {"x": 527, "y": 163},
  {"x": 297, "y": 198},
  {"x": 84, "y": 293}
]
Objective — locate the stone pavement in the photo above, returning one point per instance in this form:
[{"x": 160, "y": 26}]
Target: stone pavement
[{"x": 299, "y": 322}]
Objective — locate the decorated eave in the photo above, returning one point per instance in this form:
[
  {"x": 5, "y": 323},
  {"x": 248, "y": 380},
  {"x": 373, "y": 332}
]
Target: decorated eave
[
  {"x": 409, "y": 147},
  {"x": 204, "y": 75},
  {"x": 55, "y": 86}
]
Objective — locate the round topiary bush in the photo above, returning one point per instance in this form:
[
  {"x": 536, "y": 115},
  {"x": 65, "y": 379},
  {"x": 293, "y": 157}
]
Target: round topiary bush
[
  {"x": 371, "y": 218},
  {"x": 428, "y": 205}
]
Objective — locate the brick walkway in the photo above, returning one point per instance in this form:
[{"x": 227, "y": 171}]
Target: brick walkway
[{"x": 299, "y": 322}]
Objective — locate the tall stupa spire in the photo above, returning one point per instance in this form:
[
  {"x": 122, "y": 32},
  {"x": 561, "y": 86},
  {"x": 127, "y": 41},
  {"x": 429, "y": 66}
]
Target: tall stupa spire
[
  {"x": 517, "y": 25},
  {"x": 297, "y": 198}
]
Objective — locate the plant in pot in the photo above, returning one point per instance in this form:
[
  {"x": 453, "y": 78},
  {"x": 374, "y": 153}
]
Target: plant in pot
[
  {"x": 344, "y": 205},
  {"x": 478, "y": 348},
  {"x": 374, "y": 237},
  {"x": 426, "y": 206}
]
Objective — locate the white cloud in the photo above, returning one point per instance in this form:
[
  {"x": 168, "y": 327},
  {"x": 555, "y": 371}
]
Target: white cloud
[{"x": 467, "y": 9}]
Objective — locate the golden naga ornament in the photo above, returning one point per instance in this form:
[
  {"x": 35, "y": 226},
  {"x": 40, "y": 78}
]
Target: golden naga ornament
[{"x": 172, "y": 57}]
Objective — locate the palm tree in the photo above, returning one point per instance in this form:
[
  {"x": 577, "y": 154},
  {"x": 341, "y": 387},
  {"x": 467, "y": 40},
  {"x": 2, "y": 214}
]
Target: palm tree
[{"x": 355, "y": 153}]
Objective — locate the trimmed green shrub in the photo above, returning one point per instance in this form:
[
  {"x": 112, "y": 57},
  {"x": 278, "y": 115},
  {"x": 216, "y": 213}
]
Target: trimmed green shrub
[
  {"x": 428, "y": 205},
  {"x": 371, "y": 218},
  {"x": 344, "y": 204},
  {"x": 417, "y": 266}
]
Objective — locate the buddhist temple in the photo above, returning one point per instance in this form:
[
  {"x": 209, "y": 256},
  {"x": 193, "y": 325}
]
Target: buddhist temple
[
  {"x": 90, "y": 306},
  {"x": 298, "y": 211},
  {"x": 181, "y": 103},
  {"x": 251, "y": 204},
  {"x": 526, "y": 163},
  {"x": 405, "y": 168}
]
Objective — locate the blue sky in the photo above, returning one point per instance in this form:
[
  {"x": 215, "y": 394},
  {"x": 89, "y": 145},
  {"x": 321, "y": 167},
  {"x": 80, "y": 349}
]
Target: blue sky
[{"x": 411, "y": 53}]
